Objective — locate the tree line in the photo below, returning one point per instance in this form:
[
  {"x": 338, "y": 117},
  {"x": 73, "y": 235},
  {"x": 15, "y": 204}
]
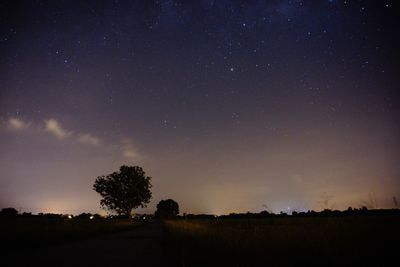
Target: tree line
[{"x": 130, "y": 188}]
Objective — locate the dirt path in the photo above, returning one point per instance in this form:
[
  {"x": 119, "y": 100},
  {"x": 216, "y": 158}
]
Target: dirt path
[{"x": 138, "y": 247}]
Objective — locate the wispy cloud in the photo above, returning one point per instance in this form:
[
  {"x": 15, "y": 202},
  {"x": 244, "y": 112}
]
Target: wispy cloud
[
  {"x": 125, "y": 146},
  {"x": 128, "y": 150},
  {"x": 88, "y": 139},
  {"x": 54, "y": 127},
  {"x": 129, "y": 153},
  {"x": 17, "y": 124}
]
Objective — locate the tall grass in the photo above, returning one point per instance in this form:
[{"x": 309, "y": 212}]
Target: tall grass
[{"x": 283, "y": 241}]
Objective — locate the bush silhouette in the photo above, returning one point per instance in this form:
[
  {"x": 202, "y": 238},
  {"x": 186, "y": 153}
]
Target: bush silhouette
[
  {"x": 9, "y": 212},
  {"x": 167, "y": 209}
]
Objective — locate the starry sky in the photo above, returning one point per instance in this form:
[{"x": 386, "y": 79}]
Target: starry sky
[{"x": 230, "y": 106}]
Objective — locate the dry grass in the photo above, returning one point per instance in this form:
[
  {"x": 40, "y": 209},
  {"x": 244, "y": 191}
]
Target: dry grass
[{"x": 283, "y": 241}]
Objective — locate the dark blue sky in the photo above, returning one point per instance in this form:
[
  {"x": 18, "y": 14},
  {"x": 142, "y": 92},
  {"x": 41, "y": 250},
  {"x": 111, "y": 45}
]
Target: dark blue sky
[{"x": 228, "y": 105}]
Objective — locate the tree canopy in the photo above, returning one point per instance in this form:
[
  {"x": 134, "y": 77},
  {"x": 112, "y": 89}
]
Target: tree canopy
[
  {"x": 8, "y": 212},
  {"x": 124, "y": 190},
  {"x": 167, "y": 208}
]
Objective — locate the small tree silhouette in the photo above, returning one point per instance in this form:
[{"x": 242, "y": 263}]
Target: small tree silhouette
[
  {"x": 10, "y": 212},
  {"x": 167, "y": 209}
]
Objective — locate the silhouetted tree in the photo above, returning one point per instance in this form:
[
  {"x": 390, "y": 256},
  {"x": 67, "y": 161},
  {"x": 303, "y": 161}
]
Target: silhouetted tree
[
  {"x": 167, "y": 209},
  {"x": 9, "y": 212},
  {"x": 84, "y": 215},
  {"x": 97, "y": 216},
  {"x": 124, "y": 190}
]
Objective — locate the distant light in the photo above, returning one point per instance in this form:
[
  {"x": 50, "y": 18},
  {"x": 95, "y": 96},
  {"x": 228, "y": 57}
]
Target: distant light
[
  {"x": 91, "y": 217},
  {"x": 69, "y": 216}
]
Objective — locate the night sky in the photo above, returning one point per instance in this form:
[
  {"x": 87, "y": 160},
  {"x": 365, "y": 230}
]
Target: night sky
[{"x": 230, "y": 106}]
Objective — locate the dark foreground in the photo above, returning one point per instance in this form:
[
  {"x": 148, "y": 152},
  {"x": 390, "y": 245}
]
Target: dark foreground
[
  {"x": 139, "y": 247},
  {"x": 291, "y": 241},
  {"x": 331, "y": 241}
]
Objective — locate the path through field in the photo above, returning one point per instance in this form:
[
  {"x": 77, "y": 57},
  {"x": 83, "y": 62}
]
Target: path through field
[{"x": 138, "y": 247}]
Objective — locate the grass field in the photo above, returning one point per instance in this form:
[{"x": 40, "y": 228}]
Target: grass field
[
  {"x": 24, "y": 233},
  {"x": 331, "y": 241}
]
